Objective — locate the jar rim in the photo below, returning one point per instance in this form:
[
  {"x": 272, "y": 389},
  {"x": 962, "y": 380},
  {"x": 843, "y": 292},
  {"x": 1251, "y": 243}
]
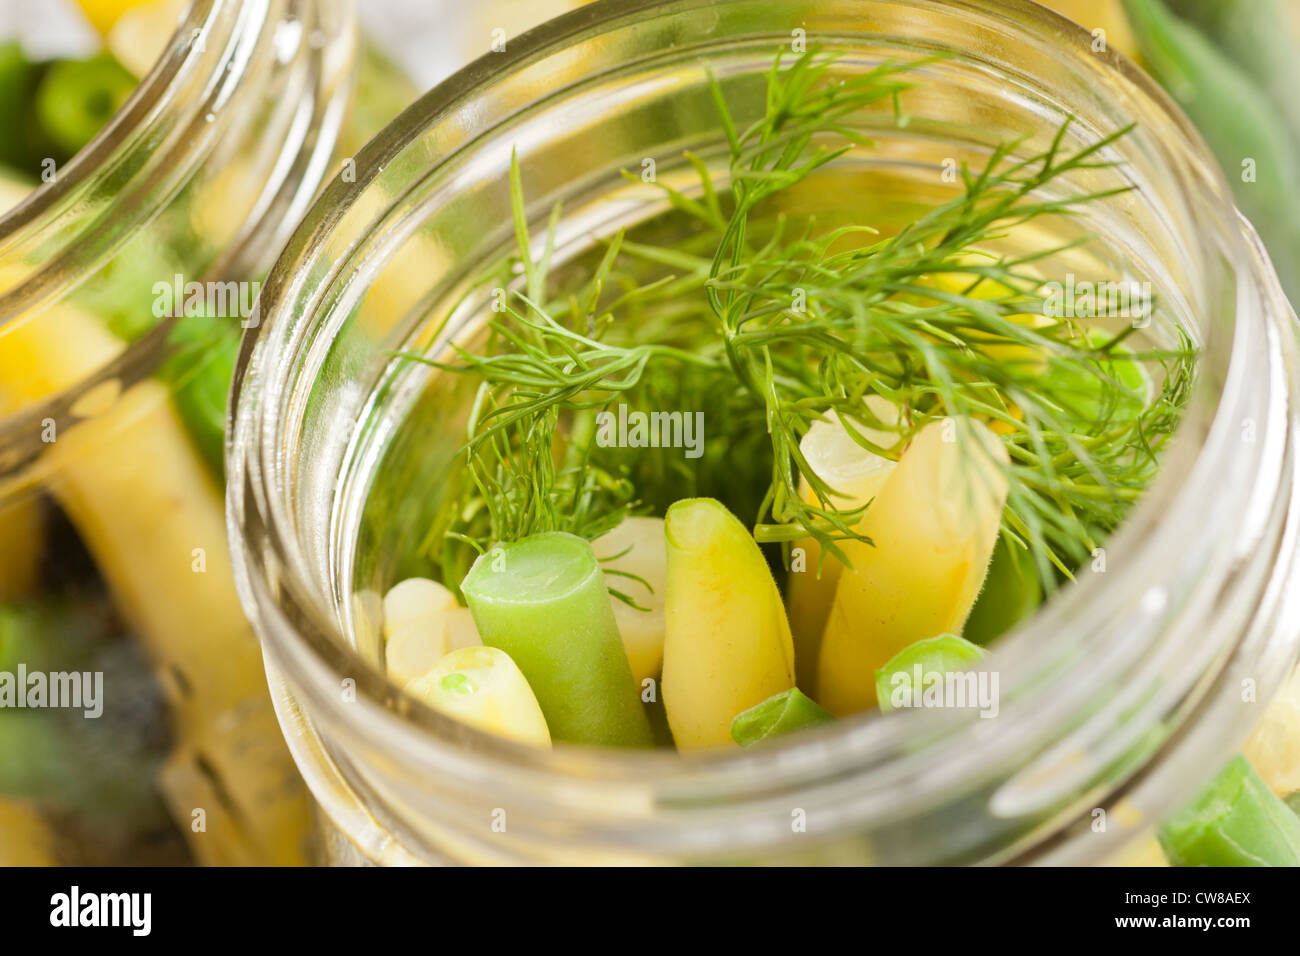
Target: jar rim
[
  {"x": 150, "y": 147},
  {"x": 42, "y": 209},
  {"x": 313, "y": 648}
]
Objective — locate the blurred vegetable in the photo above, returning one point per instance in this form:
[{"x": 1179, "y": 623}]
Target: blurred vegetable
[
  {"x": 77, "y": 97},
  {"x": 1239, "y": 122},
  {"x": 482, "y": 687},
  {"x": 121, "y": 293},
  {"x": 105, "y": 768},
  {"x": 1107, "y": 15},
  {"x": 933, "y": 528},
  {"x": 17, "y": 81},
  {"x": 727, "y": 645},
  {"x": 25, "y": 143},
  {"x": 1234, "y": 821},
  {"x": 944, "y": 654},
  {"x": 1261, "y": 37},
  {"x": 102, "y": 14},
  {"x": 25, "y": 838},
  {"x": 22, "y": 519},
  {"x": 22, "y": 529},
  {"x": 141, "y": 34},
  {"x": 1143, "y": 851},
  {"x": 383, "y": 90},
  {"x": 543, "y": 600},
  {"x": 1273, "y": 747},
  {"x": 780, "y": 714},
  {"x": 199, "y": 372},
  {"x": 152, "y": 517}
]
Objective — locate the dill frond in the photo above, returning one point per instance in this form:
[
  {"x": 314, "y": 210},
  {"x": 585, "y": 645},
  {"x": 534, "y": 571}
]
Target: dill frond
[{"x": 927, "y": 318}]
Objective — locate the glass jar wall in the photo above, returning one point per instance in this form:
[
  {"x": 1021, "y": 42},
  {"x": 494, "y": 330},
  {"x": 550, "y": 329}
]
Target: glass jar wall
[{"x": 129, "y": 265}]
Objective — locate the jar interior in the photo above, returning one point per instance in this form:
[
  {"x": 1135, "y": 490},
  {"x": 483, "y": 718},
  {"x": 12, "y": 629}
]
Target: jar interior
[{"x": 413, "y": 284}]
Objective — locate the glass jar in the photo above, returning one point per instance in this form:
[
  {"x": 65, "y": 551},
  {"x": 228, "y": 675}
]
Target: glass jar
[
  {"x": 110, "y": 438},
  {"x": 1123, "y": 694}
]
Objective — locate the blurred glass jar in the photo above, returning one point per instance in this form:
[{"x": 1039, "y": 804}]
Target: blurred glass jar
[
  {"x": 1117, "y": 700},
  {"x": 110, "y": 432}
]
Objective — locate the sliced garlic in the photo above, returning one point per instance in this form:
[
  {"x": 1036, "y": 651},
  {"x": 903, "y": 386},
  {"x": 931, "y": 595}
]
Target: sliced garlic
[
  {"x": 646, "y": 557},
  {"x": 415, "y": 600},
  {"x": 415, "y": 647}
]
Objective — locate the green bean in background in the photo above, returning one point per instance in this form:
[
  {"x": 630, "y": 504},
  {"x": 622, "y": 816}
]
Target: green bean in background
[
  {"x": 101, "y": 769},
  {"x": 780, "y": 714},
  {"x": 1011, "y": 594},
  {"x": 199, "y": 372},
  {"x": 24, "y": 142},
  {"x": 1238, "y": 120},
  {"x": 944, "y": 654},
  {"x": 77, "y": 97},
  {"x": 1234, "y": 821}
]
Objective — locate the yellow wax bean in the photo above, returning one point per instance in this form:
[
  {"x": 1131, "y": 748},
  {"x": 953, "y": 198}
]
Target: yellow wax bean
[
  {"x": 102, "y": 14},
  {"x": 727, "y": 645},
  {"x": 933, "y": 528},
  {"x": 138, "y": 32},
  {"x": 25, "y": 838},
  {"x": 1104, "y": 19},
  {"x": 857, "y": 476},
  {"x": 483, "y": 687},
  {"x": 22, "y": 529}
]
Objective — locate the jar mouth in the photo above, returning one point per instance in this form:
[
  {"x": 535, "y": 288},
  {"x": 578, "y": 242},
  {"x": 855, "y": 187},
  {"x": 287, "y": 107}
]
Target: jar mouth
[
  {"x": 289, "y": 594},
  {"x": 47, "y": 210},
  {"x": 197, "y": 179}
]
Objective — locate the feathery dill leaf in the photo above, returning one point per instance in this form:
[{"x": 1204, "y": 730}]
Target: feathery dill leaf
[{"x": 772, "y": 325}]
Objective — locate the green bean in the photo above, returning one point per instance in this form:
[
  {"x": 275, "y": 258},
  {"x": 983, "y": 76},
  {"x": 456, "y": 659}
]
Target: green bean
[
  {"x": 24, "y": 144},
  {"x": 1011, "y": 593},
  {"x": 945, "y": 654},
  {"x": 780, "y": 714},
  {"x": 1234, "y": 821},
  {"x": 102, "y": 769},
  {"x": 77, "y": 97},
  {"x": 199, "y": 373},
  {"x": 543, "y": 601},
  {"x": 1260, "y": 36}
]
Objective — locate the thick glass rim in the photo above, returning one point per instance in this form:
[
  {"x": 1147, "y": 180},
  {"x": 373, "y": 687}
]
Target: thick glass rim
[
  {"x": 151, "y": 147},
  {"x": 47, "y": 207},
  {"x": 411, "y": 731}
]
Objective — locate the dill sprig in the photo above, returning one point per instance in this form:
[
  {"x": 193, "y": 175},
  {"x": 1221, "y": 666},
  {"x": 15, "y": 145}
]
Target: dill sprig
[{"x": 780, "y": 324}]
